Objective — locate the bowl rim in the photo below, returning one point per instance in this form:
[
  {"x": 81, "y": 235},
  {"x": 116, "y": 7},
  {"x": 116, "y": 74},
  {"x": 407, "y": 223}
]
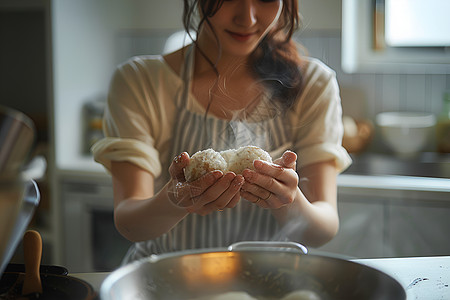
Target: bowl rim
[{"x": 403, "y": 119}]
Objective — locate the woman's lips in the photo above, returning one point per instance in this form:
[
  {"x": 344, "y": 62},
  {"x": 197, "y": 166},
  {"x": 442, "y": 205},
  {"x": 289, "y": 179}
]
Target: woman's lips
[{"x": 242, "y": 37}]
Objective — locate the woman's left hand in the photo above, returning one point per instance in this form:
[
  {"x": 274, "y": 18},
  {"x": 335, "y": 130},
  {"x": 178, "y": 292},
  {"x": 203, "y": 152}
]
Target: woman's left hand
[{"x": 272, "y": 185}]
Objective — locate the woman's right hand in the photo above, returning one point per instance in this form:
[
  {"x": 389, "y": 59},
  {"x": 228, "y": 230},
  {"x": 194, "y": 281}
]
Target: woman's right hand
[{"x": 211, "y": 192}]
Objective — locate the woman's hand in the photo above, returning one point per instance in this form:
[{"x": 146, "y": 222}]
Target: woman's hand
[
  {"x": 211, "y": 192},
  {"x": 272, "y": 185}
]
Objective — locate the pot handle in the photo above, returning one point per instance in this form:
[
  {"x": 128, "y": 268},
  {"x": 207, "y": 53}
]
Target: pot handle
[{"x": 248, "y": 245}]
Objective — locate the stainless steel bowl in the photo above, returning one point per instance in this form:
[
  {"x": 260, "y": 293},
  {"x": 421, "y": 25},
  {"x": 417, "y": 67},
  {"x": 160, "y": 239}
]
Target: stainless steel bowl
[{"x": 262, "y": 272}]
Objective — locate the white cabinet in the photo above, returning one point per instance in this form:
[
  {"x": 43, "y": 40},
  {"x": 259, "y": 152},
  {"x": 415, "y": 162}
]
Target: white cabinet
[
  {"x": 90, "y": 240},
  {"x": 419, "y": 228},
  {"x": 377, "y": 222},
  {"x": 361, "y": 231}
]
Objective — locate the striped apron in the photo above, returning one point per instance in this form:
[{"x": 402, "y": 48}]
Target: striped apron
[{"x": 193, "y": 132}]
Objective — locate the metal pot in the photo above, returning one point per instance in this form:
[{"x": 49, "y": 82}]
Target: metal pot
[
  {"x": 260, "y": 271},
  {"x": 17, "y": 137}
]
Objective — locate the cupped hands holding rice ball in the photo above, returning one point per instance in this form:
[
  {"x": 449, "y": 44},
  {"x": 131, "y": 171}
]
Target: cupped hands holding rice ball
[
  {"x": 266, "y": 182},
  {"x": 210, "y": 180},
  {"x": 233, "y": 160}
]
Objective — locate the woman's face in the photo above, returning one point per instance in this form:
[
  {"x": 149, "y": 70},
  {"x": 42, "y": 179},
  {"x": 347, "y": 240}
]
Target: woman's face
[{"x": 239, "y": 26}]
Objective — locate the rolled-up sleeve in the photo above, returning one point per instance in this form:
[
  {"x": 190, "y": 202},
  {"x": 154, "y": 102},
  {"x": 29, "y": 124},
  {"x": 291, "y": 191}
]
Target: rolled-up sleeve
[
  {"x": 131, "y": 121},
  {"x": 317, "y": 119},
  {"x": 130, "y": 150}
]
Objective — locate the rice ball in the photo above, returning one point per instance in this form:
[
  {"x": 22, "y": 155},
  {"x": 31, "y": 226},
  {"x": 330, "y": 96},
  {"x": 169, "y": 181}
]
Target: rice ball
[
  {"x": 244, "y": 156},
  {"x": 228, "y": 155},
  {"x": 203, "y": 162}
]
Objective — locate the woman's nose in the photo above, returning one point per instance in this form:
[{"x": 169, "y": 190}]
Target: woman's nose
[{"x": 246, "y": 13}]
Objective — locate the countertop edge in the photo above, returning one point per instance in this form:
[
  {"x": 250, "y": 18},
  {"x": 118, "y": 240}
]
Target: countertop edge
[{"x": 394, "y": 182}]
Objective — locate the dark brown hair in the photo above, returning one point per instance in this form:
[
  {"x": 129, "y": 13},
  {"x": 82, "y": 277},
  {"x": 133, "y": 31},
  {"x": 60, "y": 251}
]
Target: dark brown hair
[{"x": 276, "y": 60}]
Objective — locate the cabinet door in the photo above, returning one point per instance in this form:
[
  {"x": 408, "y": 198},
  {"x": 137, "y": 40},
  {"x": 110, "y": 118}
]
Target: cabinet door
[
  {"x": 361, "y": 231},
  {"x": 419, "y": 229},
  {"x": 76, "y": 235},
  {"x": 91, "y": 242}
]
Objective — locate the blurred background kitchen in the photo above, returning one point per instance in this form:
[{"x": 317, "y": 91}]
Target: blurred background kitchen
[{"x": 56, "y": 59}]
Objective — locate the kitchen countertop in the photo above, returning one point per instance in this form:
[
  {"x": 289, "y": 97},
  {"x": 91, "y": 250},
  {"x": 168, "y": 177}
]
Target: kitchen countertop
[
  {"x": 424, "y": 278},
  {"x": 428, "y": 172}
]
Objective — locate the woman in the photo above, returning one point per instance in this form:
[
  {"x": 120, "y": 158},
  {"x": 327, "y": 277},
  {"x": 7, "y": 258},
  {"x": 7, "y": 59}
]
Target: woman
[{"x": 241, "y": 82}]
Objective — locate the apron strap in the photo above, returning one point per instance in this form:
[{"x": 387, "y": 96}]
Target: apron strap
[{"x": 186, "y": 75}]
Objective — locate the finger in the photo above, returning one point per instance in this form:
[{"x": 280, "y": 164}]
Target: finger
[
  {"x": 178, "y": 164},
  {"x": 289, "y": 160},
  {"x": 185, "y": 193},
  {"x": 265, "y": 176},
  {"x": 231, "y": 196},
  {"x": 260, "y": 202},
  {"x": 199, "y": 186},
  {"x": 272, "y": 170},
  {"x": 256, "y": 190},
  {"x": 278, "y": 161},
  {"x": 249, "y": 196},
  {"x": 227, "y": 196},
  {"x": 234, "y": 201},
  {"x": 214, "y": 192},
  {"x": 278, "y": 186}
]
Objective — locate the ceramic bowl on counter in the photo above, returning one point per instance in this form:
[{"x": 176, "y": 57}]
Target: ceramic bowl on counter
[{"x": 406, "y": 133}]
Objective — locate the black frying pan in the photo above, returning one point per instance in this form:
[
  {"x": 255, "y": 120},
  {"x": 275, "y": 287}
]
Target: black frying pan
[
  {"x": 35, "y": 283},
  {"x": 55, "y": 287}
]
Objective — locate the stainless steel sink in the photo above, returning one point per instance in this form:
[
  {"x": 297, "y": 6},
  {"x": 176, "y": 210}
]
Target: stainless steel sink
[{"x": 428, "y": 164}]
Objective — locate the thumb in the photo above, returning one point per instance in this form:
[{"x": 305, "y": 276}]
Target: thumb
[
  {"x": 289, "y": 160},
  {"x": 177, "y": 166}
]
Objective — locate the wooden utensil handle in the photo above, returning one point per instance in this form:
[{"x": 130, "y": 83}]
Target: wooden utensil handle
[{"x": 32, "y": 247}]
